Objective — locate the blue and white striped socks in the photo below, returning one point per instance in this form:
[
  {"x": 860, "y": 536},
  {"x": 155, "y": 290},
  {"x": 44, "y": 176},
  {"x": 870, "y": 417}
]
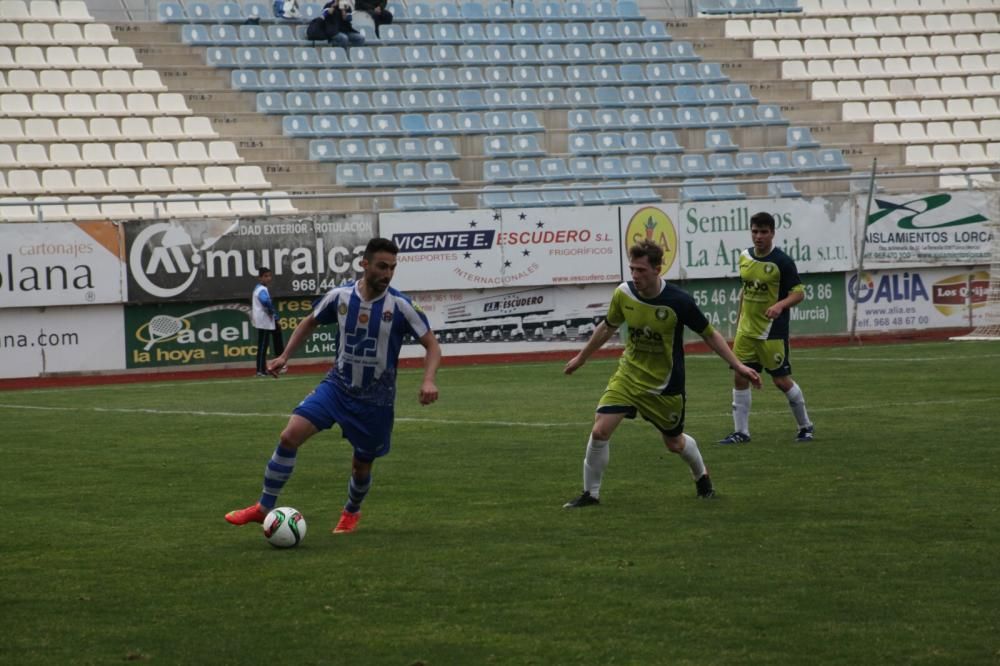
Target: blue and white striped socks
[
  {"x": 277, "y": 473},
  {"x": 356, "y": 491}
]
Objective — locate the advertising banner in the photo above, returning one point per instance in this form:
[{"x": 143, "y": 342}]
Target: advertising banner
[
  {"x": 821, "y": 313},
  {"x": 217, "y": 260},
  {"x": 657, "y": 223},
  {"x": 926, "y": 229},
  {"x": 535, "y": 319},
  {"x": 470, "y": 249},
  {"x": 198, "y": 333},
  {"x": 900, "y": 300},
  {"x": 815, "y": 232},
  {"x": 38, "y": 341},
  {"x": 67, "y": 263}
]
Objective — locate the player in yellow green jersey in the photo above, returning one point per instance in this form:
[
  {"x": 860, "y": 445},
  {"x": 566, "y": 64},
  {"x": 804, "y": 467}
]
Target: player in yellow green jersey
[
  {"x": 771, "y": 287},
  {"x": 649, "y": 380}
]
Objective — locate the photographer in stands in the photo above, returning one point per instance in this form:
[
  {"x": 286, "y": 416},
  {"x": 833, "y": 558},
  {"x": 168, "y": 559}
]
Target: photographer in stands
[{"x": 338, "y": 16}]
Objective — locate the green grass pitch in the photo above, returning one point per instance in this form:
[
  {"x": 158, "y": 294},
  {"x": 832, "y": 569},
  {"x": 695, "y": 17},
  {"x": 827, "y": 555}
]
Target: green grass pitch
[{"x": 877, "y": 543}]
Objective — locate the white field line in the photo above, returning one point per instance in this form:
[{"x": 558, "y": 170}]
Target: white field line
[{"x": 514, "y": 424}]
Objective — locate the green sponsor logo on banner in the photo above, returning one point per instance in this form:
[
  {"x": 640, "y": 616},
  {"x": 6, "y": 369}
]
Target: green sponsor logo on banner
[{"x": 190, "y": 334}]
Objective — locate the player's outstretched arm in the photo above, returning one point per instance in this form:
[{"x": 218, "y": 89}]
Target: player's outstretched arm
[
  {"x": 432, "y": 361},
  {"x": 601, "y": 334},
  {"x": 718, "y": 344},
  {"x": 299, "y": 335}
]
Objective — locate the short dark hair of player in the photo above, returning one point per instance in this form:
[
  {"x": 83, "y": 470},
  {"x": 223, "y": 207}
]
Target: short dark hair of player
[
  {"x": 264, "y": 270},
  {"x": 762, "y": 220},
  {"x": 649, "y": 249},
  {"x": 380, "y": 245}
]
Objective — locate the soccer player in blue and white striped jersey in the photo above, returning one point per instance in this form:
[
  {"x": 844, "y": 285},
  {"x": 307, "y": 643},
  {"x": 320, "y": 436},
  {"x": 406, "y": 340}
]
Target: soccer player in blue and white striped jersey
[{"x": 359, "y": 392}]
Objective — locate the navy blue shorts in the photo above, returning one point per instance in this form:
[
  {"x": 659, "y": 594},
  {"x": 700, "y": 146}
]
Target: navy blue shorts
[{"x": 366, "y": 426}]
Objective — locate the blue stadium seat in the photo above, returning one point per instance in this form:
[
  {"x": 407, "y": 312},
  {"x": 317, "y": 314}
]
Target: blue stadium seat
[
  {"x": 637, "y": 119},
  {"x": 420, "y": 11},
  {"x": 441, "y": 123},
  {"x": 386, "y": 101},
  {"x": 229, "y": 12},
  {"x": 694, "y": 164},
  {"x": 525, "y": 170},
  {"x": 711, "y": 72},
  {"x": 776, "y": 161},
  {"x": 329, "y": 102},
  {"x": 662, "y": 118},
  {"x": 717, "y": 116},
  {"x": 800, "y": 137},
  {"x": 554, "y": 168},
  {"x": 497, "y": 171},
  {"x": 524, "y": 10},
  {"x": 697, "y": 189},
  {"x": 441, "y": 148},
  {"x": 435, "y": 198},
  {"x": 499, "y": 11},
  {"x": 770, "y": 114},
  {"x": 245, "y": 79},
  {"x": 351, "y": 175},
  {"x": 609, "y": 119},
  {"x": 258, "y": 11},
  {"x": 355, "y": 125},
  {"x": 415, "y": 101},
  {"x": 639, "y": 166},
  {"x": 170, "y": 12},
  {"x": 585, "y": 194},
  {"x": 637, "y": 142},
  {"x": 497, "y": 121},
  {"x": 525, "y": 98},
  {"x": 359, "y": 79},
  {"x": 326, "y": 125},
  {"x": 381, "y": 174},
  {"x": 750, "y": 163},
  {"x": 199, "y": 12},
  {"x": 410, "y": 173},
  {"x": 297, "y": 126},
  {"x": 614, "y": 195},
  {"x": 472, "y": 11},
  {"x": 550, "y": 11},
  {"x": 524, "y": 33},
  {"x": 583, "y": 143},
  {"x": 610, "y": 143},
  {"x": 470, "y": 122},
  {"x": 473, "y": 100},
  {"x": 323, "y": 150},
  {"x": 743, "y": 115},
  {"x": 610, "y": 167},
  {"x": 526, "y": 198},
  {"x": 688, "y": 95},
  {"x": 382, "y": 149},
  {"x": 335, "y": 56},
  {"x": 470, "y": 55},
  {"x": 627, "y": 9},
  {"x": 804, "y": 160},
  {"x": 304, "y": 79},
  {"x": 667, "y": 166},
  {"x": 664, "y": 141},
  {"x": 661, "y": 96},
  {"x": 727, "y": 192},
  {"x": 447, "y": 12},
  {"x": 354, "y": 150},
  {"x": 281, "y": 35},
  {"x": 357, "y": 102},
  {"x": 640, "y": 191},
  {"x": 713, "y": 93},
  {"x": 408, "y": 199},
  {"x": 495, "y": 197},
  {"x": 583, "y": 168},
  {"x": 385, "y": 124},
  {"x": 722, "y": 164},
  {"x": 781, "y": 186},
  {"x": 832, "y": 159},
  {"x": 412, "y": 148},
  {"x": 690, "y": 117},
  {"x": 443, "y": 100},
  {"x": 580, "y": 97},
  {"x": 552, "y": 33},
  {"x": 275, "y": 56},
  {"x": 655, "y": 31},
  {"x": 196, "y": 35},
  {"x": 392, "y": 35},
  {"x": 656, "y": 72},
  {"x": 739, "y": 93},
  {"x": 271, "y": 102},
  {"x": 219, "y": 56},
  {"x": 299, "y": 102},
  {"x": 557, "y": 195}
]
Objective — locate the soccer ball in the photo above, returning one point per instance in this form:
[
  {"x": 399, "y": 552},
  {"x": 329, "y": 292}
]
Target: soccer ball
[{"x": 284, "y": 527}]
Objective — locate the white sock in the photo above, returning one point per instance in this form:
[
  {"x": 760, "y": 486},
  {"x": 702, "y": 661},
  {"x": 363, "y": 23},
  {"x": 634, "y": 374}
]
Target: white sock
[
  {"x": 594, "y": 463},
  {"x": 692, "y": 456},
  {"x": 741, "y": 410},
  {"x": 798, "y": 404}
]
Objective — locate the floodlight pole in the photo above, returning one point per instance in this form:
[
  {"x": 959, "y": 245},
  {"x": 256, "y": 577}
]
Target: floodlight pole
[{"x": 861, "y": 252}]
